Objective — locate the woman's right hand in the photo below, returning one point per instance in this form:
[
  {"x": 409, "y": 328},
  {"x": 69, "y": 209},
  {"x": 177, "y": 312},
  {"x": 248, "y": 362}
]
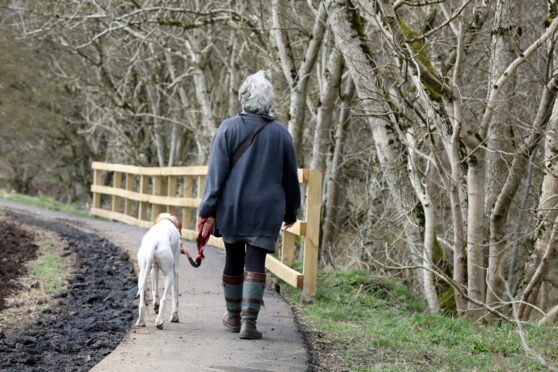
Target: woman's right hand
[
  {"x": 287, "y": 226},
  {"x": 206, "y": 225}
]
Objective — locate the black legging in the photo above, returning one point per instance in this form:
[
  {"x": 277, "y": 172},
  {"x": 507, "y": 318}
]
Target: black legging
[{"x": 240, "y": 254}]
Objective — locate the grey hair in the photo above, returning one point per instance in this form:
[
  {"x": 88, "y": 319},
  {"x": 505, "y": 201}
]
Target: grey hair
[{"x": 256, "y": 94}]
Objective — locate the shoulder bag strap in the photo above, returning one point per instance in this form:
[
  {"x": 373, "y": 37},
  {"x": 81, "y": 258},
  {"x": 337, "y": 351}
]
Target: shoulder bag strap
[{"x": 248, "y": 141}]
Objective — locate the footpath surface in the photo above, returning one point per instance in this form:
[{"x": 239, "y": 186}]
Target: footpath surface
[{"x": 199, "y": 342}]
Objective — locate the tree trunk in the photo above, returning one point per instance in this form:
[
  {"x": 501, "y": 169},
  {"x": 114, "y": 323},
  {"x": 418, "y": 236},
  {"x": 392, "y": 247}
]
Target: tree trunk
[
  {"x": 328, "y": 94},
  {"x": 154, "y": 102},
  {"x": 548, "y": 202},
  {"x": 234, "y": 68},
  {"x": 208, "y": 123},
  {"x": 476, "y": 241},
  {"x": 451, "y": 145},
  {"x": 531, "y": 291},
  {"x": 518, "y": 239},
  {"x": 548, "y": 207},
  {"x": 498, "y": 218},
  {"x": 500, "y": 136},
  {"x": 330, "y": 228},
  {"x": 429, "y": 225},
  {"x": 283, "y": 44},
  {"x": 176, "y": 136},
  {"x": 349, "y": 38},
  {"x": 456, "y": 194},
  {"x": 173, "y": 143},
  {"x": 297, "y": 108}
]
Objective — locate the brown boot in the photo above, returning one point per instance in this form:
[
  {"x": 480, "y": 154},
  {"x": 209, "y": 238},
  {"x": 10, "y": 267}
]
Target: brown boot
[
  {"x": 248, "y": 331},
  {"x": 252, "y": 294},
  {"x": 231, "y": 322},
  {"x": 233, "y": 299}
]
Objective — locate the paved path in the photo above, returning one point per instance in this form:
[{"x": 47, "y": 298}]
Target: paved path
[{"x": 199, "y": 342}]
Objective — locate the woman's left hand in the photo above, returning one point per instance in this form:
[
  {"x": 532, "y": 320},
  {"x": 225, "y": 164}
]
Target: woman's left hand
[{"x": 287, "y": 226}]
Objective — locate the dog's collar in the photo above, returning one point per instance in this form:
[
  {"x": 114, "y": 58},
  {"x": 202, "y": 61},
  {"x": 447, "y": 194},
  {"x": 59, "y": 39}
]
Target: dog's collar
[{"x": 175, "y": 221}]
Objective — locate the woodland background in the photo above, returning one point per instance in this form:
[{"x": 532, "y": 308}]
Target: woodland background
[{"x": 434, "y": 122}]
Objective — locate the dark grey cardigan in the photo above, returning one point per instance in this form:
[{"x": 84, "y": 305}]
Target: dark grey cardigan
[{"x": 262, "y": 189}]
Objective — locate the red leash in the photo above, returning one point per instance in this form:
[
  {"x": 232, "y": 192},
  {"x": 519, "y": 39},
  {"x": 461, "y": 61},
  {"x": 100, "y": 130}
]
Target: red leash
[
  {"x": 205, "y": 226},
  {"x": 203, "y": 236}
]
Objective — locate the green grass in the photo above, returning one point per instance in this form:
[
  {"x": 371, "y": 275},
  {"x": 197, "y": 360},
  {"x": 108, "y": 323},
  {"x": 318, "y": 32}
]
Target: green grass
[
  {"x": 47, "y": 269},
  {"x": 44, "y": 202},
  {"x": 373, "y": 323}
]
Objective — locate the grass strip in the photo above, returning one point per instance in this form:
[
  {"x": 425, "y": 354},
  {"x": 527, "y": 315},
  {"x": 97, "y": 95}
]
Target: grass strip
[
  {"x": 364, "y": 322},
  {"x": 47, "y": 268},
  {"x": 44, "y": 202}
]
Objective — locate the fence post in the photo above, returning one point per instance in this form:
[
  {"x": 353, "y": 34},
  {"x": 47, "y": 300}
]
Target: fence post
[
  {"x": 171, "y": 191},
  {"x": 156, "y": 209},
  {"x": 187, "y": 212},
  {"x": 97, "y": 182},
  {"x": 129, "y": 187},
  {"x": 201, "y": 189},
  {"x": 142, "y": 208},
  {"x": 312, "y": 241},
  {"x": 116, "y": 200}
]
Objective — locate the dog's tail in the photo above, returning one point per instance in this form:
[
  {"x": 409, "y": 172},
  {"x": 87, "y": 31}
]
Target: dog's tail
[{"x": 144, "y": 263}]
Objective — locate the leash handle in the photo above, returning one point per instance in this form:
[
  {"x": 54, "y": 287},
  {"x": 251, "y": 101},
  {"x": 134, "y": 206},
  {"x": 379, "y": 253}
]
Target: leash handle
[
  {"x": 206, "y": 226},
  {"x": 195, "y": 263}
]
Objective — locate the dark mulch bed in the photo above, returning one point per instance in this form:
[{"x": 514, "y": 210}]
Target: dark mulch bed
[
  {"x": 90, "y": 319},
  {"x": 16, "y": 248}
]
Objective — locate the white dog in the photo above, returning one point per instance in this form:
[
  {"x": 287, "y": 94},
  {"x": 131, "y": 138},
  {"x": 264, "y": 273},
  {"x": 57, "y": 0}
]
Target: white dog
[{"x": 160, "y": 249}]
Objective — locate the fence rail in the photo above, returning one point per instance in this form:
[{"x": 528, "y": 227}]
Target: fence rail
[{"x": 136, "y": 195}]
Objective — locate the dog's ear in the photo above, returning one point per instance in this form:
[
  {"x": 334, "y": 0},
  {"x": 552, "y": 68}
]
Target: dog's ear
[{"x": 178, "y": 224}]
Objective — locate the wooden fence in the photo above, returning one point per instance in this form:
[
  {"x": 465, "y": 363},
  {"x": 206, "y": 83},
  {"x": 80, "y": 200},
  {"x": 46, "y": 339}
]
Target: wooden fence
[{"x": 136, "y": 195}]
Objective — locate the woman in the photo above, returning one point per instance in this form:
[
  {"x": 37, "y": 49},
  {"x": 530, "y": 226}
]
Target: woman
[{"x": 250, "y": 199}]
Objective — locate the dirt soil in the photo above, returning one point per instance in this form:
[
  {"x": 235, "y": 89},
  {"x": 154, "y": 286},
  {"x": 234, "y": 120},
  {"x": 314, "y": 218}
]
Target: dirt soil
[
  {"x": 85, "y": 323},
  {"x": 16, "y": 248}
]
